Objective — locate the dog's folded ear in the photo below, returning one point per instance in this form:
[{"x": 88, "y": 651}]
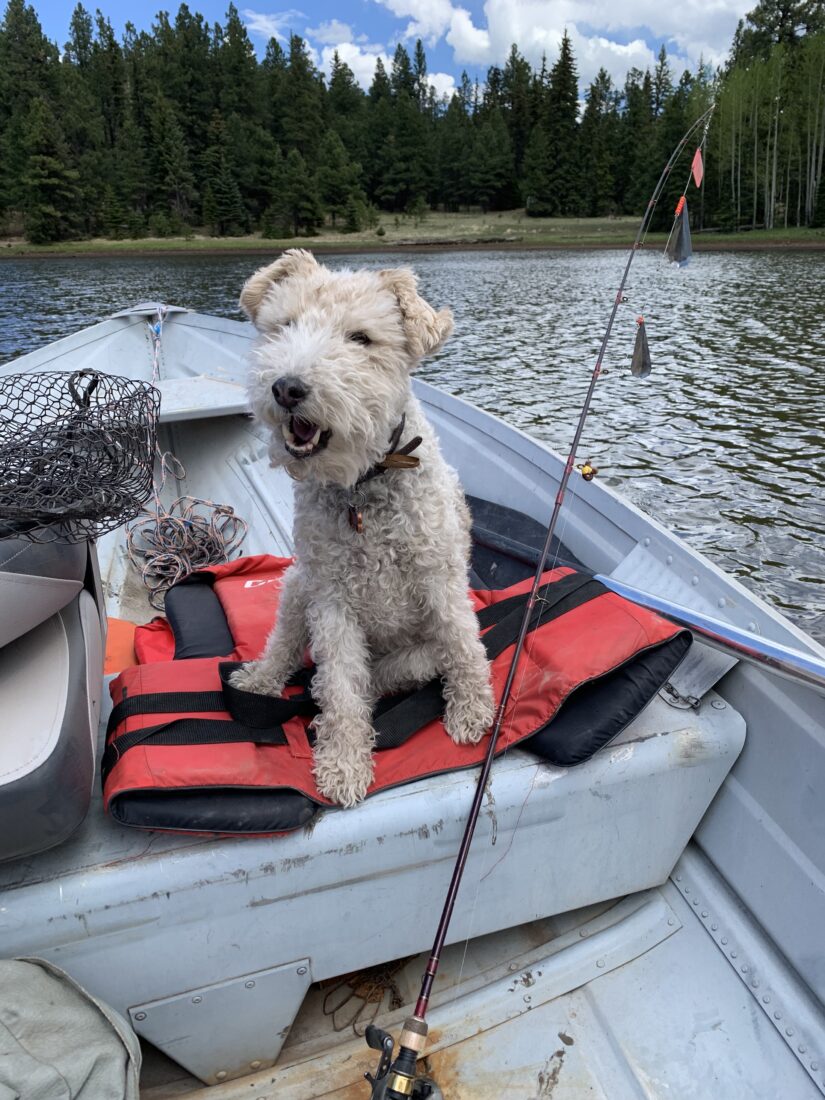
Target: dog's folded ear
[
  {"x": 426, "y": 329},
  {"x": 295, "y": 261}
]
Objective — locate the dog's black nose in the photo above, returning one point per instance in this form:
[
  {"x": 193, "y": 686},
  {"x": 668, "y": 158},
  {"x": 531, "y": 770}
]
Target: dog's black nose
[{"x": 289, "y": 391}]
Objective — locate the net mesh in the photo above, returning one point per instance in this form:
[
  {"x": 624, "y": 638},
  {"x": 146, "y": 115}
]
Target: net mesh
[{"x": 76, "y": 453}]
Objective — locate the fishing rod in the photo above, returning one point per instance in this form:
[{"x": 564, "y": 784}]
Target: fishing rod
[{"x": 396, "y": 1079}]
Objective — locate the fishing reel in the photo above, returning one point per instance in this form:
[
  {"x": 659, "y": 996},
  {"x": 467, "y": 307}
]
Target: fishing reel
[{"x": 397, "y": 1080}]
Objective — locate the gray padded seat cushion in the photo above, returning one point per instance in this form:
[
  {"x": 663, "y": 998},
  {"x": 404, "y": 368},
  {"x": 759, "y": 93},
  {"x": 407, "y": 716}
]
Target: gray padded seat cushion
[
  {"x": 36, "y": 581},
  {"x": 62, "y": 560}
]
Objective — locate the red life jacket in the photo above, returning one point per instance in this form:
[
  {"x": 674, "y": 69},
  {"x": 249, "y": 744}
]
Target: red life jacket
[{"x": 187, "y": 751}]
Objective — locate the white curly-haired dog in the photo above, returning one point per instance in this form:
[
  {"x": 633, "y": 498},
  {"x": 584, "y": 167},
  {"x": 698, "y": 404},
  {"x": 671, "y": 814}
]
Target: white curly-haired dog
[{"x": 385, "y": 607}]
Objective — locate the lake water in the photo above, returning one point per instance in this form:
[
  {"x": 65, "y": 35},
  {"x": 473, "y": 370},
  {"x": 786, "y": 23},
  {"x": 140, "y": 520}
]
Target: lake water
[{"x": 724, "y": 442}]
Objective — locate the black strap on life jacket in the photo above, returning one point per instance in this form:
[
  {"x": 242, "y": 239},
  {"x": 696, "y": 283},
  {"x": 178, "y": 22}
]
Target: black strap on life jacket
[{"x": 258, "y": 718}]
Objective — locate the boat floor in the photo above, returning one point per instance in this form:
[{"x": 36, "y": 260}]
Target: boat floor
[{"x": 541, "y": 1011}]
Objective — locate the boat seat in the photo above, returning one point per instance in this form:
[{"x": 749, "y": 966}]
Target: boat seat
[
  {"x": 37, "y": 580},
  {"x": 50, "y": 691}
]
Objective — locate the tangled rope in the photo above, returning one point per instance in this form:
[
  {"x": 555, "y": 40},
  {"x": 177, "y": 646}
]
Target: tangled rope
[{"x": 166, "y": 544}]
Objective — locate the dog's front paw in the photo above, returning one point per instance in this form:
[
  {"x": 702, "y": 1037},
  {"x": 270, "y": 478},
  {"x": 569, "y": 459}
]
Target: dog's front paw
[
  {"x": 258, "y": 677},
  {"x": 343, "y": 764},
  {"x": 469, "y": 715}
]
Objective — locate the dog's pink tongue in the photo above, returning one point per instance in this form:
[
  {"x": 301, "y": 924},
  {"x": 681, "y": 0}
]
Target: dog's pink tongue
[{"x": 303, "y": 429}]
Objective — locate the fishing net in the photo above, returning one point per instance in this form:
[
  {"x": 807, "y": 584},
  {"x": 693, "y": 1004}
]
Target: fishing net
[{"x": 76, "y": 453}]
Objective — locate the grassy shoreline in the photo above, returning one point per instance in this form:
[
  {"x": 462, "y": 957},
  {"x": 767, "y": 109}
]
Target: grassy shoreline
[{"x": 509, "y": 230}]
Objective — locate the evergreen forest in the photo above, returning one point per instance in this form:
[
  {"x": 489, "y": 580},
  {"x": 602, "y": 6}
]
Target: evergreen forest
[{"x": 182, "y": 128}]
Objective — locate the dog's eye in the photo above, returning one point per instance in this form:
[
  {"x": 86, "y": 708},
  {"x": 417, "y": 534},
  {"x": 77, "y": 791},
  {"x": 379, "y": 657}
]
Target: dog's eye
[
  {"x": 359, "y": 338},
  {"x": 285, "y": 324}
]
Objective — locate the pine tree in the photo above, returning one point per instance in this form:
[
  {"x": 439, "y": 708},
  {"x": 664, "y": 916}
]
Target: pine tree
[
  {"x": 209, "y": 212},
  {"x": 237, "y": 68},
  {"x": 174, "y": 181},
  {"x": 636, "y": 169},
  {"x": 540, "y": 199},
  {"x": 598, "y": 135},
  {"x": 455, "y": 156},
  {"x": 49, "y": 180},
  {"x": 346, "y": 109},
  {"x": 491, "y": 170},
  {"x": 420, "y": 82},
  {"x": 379, "y": 130},
  {"x": 562, "y": 131},
  {"x": 29, "y": 68},
  {"x": 338, "y": 177},
  {"x": 402, "y": 78},
  {"x": 300, "y": 196},
  {"x": 303, "y": 114},
  {"x": 515, "y": 90}
]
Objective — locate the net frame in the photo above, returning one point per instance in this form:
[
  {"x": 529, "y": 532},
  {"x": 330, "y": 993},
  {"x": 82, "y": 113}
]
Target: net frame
[{"x": 76, "y": 453}]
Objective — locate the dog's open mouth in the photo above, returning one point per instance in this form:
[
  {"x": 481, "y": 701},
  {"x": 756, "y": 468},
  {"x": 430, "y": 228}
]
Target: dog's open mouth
[{"x": 302, "y": 438}]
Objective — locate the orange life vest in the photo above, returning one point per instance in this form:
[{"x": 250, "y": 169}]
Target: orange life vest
[{"x": 187, "y": 751}]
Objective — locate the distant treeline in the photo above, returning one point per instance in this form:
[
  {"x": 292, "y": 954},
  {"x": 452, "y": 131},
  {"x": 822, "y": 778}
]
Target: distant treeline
[{"x": 182, "y": 127}]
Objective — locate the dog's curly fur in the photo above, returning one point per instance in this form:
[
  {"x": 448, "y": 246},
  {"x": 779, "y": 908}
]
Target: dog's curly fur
[{"x": 386, "y": 609}]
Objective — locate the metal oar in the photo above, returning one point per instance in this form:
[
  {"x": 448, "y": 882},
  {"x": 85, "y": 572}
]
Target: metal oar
[
  {"x": 396, "y": 1080},
  {"x": 791, "y": 664}
]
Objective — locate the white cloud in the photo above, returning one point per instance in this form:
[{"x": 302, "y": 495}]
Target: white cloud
[
  {"x": 691, "y": 28},
  {"x": 469, "y": 42},
  {"x": 331, "y": 33},
  {"x": 278, "y": 24},
  {"x": 444, "y": 83},
  {"x": 430, "y": 18},
  {"x": 361, "y": 59}
]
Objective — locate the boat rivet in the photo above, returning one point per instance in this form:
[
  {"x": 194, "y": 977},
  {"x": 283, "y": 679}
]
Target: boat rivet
[
  {"x": 669, "y": 559},
  {"x": 801, "y": 1048},
  {"x": 249, "y": 985},
  {"x": 301, "y": 970},
  {"x": 721, "y": 602},
  {"x": 777, "y": 1015},
  {"x": 752, "y": 627},
  {"x": 766, "y": 1000},
  {"x": 704, "y": 912},
  {"x": 733, "y": 954},
  {"x": 724, "y": 940},
  {"x": 744, "y": 969},
  {"x": 220, "y": 1075},
  {"x": 513, "y": 966},
  {"x": 670, "y": 922},
  {"x": 255, "y": 1065},
  {"x": 583, "y": 933},
  {"x": 646, "y": 542},
  {"x": 755, "y": 983},
  {"x": 527, "y": 998},
  {"x": 789, "y": 1031},
  {"x": 814, "y": 1066},
  {"x": 687, "y": 889},
  {"x": 140, "y": 1015},
  {"x": 600, "y": 963},
  {"x": 718, "y": 704},
  {"x": 694, "y": 581},
  {"x": 714, "y": 927},
  {"x": 196, "y": 1000}
]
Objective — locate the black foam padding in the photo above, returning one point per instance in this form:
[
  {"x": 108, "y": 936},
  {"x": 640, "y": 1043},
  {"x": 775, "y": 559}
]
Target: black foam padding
[
  {"x": 598, "y": 711},
  {"x": 506, "y": 546},
  {"x": 198, "y": 622},
  {"x": 226, "y": 810}
]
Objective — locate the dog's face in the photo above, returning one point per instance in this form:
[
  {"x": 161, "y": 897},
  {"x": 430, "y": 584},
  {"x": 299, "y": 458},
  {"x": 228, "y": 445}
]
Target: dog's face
[{"x": 330, "y": 375}]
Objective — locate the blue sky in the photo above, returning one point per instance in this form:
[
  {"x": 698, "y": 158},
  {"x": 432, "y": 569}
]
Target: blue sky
[{"x": 468, "y": 34}]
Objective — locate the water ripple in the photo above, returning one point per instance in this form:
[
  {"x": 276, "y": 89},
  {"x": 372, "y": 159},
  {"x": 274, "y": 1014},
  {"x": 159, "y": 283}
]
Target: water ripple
[{"x": 724, "y": 443}]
